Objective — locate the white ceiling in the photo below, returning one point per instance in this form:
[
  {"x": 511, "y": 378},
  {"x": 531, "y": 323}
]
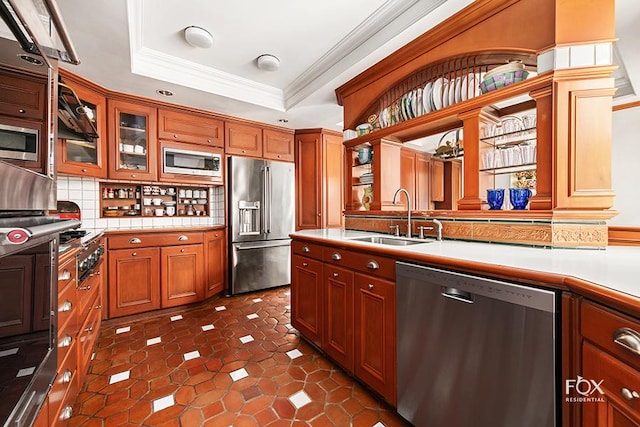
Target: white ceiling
[{"x": 137, "y": 47}]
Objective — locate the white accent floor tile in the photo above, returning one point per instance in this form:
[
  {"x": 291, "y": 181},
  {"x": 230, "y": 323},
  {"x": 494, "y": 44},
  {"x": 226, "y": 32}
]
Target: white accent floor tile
[
  {"x": 208, "y": 327},
  {"x": 116, "y": 378},
  {"x": 9, "y": 352},
  {"x": 26, "y": 372},
  {"x": 245, "y": 339},
  {"x": 192, "y": 355},
  {"x": 252, "y": 316},
  {"x": 257, "y": 300},
  {"x": 294, "y": 354},
  {"x": 177, "y": 317},
  {"x": 288, "y": 326},
  {"x": 220, "y": 308},
  {"x": 299, "y": 399},
  {"x": 287, "y": 307},
  {"x": 152, "y": 341},
  {"x": 163, "y": 403},
  {"x": 239, "y": 374},
  {"x": 93, "y": 356},
  {"x": 123, "y": 330},
  {"x": 378, "y": 424},
  {"x": 287, "y": 293}
]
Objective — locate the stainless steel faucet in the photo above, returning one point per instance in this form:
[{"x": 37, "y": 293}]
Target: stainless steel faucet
[
  {"x": 438, "y": 224},
  {"x": 406, "y": 193}
]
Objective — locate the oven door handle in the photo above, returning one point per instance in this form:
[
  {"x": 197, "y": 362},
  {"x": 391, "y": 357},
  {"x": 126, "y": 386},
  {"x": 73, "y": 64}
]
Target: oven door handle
[{"x": 37, "y": 230}]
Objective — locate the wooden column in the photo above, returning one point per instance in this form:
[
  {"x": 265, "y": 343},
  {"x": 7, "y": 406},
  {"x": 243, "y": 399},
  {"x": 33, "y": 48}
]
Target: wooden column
[
  {"x": 544, "y": 150},
  {"x": 471, "y": 165}
]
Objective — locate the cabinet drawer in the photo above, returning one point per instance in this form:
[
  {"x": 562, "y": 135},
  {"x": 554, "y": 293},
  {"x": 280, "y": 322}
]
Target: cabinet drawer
[
  {"x": 87, "y": 291},
  {"x": 373, "y": 264},
  {"x": 307, "y": 249},
  {"x": 67, "y": 337},
  {"x": 66, "y": 273},
  {"x": 604, "y": 327},
  {"x": 65, "y": 388},
  {"x": 620, "y": 383},
  {"x": 67, "y": 309},
  {"x": 154, "y": 239}
]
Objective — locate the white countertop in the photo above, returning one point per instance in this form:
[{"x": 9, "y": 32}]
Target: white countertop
[{"x": 616, "y": 267}]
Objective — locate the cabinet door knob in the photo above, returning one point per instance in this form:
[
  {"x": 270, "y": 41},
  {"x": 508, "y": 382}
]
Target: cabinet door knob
[
  {"x": 175, "y": 136},
  {"x": 66, "y": 275},
  {"x": 134, "y": 241},
  {"x": 66, "y": 306},
  {"x": 182, "y": 238},
  {"x": 306, "y": 249},
  {"x": 84, "y": 170},
  {"x": 629, "y": 394},
  {"x": 335, "y": 274},
  {"x": 65, "y": 341},
  {"x": 66, "y": 413},
  {"x": 97, "y": 273},
  {"x": 182, "y": 250},
  {"x": 244, "y": 151},
  {"x": 373, "y": 265},
  {"x": 628, "y": 339},
  {"x": 371, "y": 286},
  {"x": 133, "y": 175},
  {"x": 84, "y": 288},
  {"x": 66, "y": 377},
  {"x": 305, "y": 264},
  {"x": 22, "y": 111},
  {"x": 134, "y": 254},
  {"x": 208, "y": 140},
  {"x": 336, "y": 256}
]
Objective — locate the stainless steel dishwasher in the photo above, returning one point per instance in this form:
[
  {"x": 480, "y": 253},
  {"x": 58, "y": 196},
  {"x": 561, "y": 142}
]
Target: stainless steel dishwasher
[{"x": 474, "y": 351}]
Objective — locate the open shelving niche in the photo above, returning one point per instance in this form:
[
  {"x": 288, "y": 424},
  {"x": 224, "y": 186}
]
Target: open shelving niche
[{"x": 474, "y": 115}]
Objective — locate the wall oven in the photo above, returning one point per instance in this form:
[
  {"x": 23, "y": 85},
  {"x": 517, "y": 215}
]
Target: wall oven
[
  {"x": 28, "y": 307},
  {"x": 190, "y": 162},
  {"x": 19, "y": 143}
]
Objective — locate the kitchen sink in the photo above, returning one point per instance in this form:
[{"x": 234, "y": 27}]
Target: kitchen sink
[{"x": 393, "y": 241}]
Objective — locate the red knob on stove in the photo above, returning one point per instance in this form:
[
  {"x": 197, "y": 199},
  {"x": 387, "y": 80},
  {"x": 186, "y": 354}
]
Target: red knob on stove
[{"x": 17, "y": 236}]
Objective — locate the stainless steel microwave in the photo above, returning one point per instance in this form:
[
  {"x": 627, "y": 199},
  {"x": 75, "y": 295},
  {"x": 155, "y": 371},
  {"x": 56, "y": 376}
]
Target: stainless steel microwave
[
  {"x": 19, "y": 143},
  {"x": 189, "y": 162}
]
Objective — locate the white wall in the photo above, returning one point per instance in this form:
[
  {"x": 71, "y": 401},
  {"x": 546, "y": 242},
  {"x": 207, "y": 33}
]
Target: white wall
[{"x": 625, "y": 166}]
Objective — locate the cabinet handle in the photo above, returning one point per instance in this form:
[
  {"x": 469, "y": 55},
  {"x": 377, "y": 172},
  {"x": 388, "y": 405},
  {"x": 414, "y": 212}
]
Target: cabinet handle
[
  {"x": 66, "y": 306},
  {"x": 66, "y": 413},
  {"x": 182, "y": 250},
  {"x": 373, "y": 265},
  {"x": 133, "y": 175},
  {"x": 84, "y": 288},
  {"x": 98, "y": 307},
  {"x": 244, "y": 151},
  {"x": 97, "y": 273},
  {"x": 66, "y": 377},
  {"x": 22, "y": 111},
  {"x": 84, "y": 170},
  {"x": 175, "y": 136},
  {"x": 182, "y": 238},
  {"x": 65, "y": 341},
  {"x": 215, "y": 235},
  {"x": 305, "y": 264},
  {"x": 335, "y": 274},
  {"x": 89, "y": 329},
  {"x": 629, "y": 394},
  {"x": 306, "y": 249},
  {"x": 628, "y": 339},
  {"x": 336, "y": 256},
  {"x": 134, "y": 254},
  {"x": 208, "y": 140},
  {"x": 66, "y": 275},
  {"x": 135, "y": 240},
  {"x": 371, "y": 286}
]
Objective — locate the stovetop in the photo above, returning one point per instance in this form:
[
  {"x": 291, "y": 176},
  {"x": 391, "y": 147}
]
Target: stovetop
[
  {"x": 67, "y": 236},
  {"x": 83, "y": 239}
]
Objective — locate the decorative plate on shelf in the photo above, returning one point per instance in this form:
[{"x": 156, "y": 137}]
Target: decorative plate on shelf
[{"x": 426, "y": 98}]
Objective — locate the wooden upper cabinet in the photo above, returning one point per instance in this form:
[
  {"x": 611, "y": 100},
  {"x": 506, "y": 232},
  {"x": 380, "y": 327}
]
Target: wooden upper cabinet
[
  {"x": 76, "y": 156},
  {"x": 277, "y": 145},
  {"x": 193, "y": 128},
  {"x": 133, "y": 142},
  {"x": 437, "y": 181},
  {"x": 242, "y": 139},
  {"x": 22, "y": 96},
  {"x": 408, "y": 176}
]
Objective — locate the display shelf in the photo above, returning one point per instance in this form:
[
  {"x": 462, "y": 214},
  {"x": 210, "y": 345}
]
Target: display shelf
[
  {"x": 512, "y": 138},
  {"x": 510, "y": 169}
]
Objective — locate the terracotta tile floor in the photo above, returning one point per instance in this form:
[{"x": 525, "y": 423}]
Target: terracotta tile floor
[{"x": 228, "y": 362}]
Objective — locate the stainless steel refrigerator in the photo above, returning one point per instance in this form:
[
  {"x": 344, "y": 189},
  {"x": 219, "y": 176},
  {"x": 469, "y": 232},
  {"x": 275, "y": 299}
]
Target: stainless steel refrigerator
[{"x": 260, "y": 217}]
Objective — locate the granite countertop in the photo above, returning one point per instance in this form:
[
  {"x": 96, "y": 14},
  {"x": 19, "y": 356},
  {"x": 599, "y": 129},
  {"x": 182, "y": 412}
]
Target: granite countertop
[{"x": 616, "y": 268}]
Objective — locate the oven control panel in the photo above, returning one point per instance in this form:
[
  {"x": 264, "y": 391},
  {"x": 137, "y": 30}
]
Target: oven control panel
[{"x": 88, "y": 260}]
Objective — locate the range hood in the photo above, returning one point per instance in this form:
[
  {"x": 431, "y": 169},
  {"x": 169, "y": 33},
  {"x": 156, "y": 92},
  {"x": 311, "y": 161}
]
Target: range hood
[{"x": 75, "y": 119}]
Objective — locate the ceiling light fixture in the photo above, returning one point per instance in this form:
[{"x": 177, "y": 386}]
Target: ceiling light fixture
[
  {"x": 164, "y": 92},
  {"x": 283, "y": 120},
  {"x": 198, "y": 37},
  {"x": 268, "y": 62}
]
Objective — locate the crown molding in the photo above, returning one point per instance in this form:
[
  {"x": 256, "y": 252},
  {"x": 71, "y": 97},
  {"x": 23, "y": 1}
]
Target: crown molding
[{"x": 152, "y": 63}]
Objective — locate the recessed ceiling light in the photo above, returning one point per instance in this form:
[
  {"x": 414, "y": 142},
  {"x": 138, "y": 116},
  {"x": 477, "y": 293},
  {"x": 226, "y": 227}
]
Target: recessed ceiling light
[
  {"x": 164, "y": 92},
  {"x": 30, "y": 59},
  {"x": 283, "y": 120},
  {"x": 268, "y": 62},
  {"x": 198, "y": 37}
]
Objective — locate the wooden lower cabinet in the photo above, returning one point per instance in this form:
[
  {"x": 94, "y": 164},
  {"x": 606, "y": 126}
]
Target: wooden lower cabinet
[
  {"x": 375, "y": 323},
  {"x": 17, "y": 296},
  {"x": 134, "y": 281},
  {"x": 306, "y": 298},
  {"x": 338, "y": 331},
  {"x": 215, "y": 262},
  {"x": 182, "y": 275}
]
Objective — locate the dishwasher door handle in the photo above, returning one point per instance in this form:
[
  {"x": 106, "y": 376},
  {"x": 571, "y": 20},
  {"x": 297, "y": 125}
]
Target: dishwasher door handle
[{"x": 457, "y": 295}]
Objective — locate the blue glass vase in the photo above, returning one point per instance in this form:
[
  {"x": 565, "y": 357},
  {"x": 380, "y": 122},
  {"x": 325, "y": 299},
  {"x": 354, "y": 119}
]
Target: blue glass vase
[
  {"x": 519, "y": 197},
  {"x": 495, "y": 198}
]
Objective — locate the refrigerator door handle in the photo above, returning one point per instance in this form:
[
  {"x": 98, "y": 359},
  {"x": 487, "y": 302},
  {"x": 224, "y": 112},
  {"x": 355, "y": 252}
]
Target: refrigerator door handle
[{"x": 268, "y": 200}]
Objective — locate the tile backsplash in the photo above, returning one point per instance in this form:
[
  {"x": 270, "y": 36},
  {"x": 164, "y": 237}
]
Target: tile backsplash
[{"x": 85, "y": 192}]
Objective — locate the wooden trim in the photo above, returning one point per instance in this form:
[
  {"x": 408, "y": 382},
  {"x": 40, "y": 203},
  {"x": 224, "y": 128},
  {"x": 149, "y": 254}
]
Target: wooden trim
[
  {"x": 525, "y": 215},
  {"x": 624, "y": 236},
  {"x": 316, "y": 131},
  {"x": 633, "y": 104}
]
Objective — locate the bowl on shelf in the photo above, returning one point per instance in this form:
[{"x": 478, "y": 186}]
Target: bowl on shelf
[
  {"x": 366, "y": 178},
  {"x": 499, "y": 80}
]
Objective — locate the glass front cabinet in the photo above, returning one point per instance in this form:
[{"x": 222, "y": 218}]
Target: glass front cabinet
[
  {"x": 133, "y": 135},
  {"x": 82, "y": 151}
]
